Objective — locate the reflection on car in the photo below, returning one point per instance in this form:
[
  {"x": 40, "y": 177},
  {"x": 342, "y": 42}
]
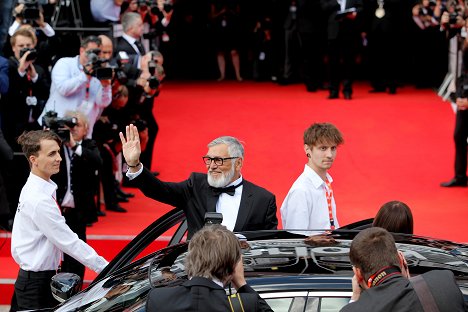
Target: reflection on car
[{"x": 289, "y": 273}]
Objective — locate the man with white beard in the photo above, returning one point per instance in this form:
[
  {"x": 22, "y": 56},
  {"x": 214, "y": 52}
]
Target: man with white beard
[{"x": 244, "y": 205}]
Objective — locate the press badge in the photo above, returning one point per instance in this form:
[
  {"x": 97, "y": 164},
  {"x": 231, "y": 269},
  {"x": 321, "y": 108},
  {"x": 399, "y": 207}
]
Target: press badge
[
  {"x": 86, "y": 107},
  {"x": 262, "y": 56},
  {"x": 31, "y": 101}
]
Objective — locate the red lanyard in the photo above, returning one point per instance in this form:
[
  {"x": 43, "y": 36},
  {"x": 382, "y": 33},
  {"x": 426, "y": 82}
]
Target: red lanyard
[{"x": 329, "y": 195}]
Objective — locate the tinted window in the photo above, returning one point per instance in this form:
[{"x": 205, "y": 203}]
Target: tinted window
[
  {"x": 288, "y": 304},
  {"x": 332, "y": 304}
]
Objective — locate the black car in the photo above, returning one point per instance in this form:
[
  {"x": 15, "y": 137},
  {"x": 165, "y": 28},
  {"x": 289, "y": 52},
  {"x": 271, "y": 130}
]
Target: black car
[{"x": 289, "y": 273}]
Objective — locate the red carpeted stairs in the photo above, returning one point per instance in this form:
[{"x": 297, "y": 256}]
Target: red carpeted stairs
[{"x": 397, "y": 147}]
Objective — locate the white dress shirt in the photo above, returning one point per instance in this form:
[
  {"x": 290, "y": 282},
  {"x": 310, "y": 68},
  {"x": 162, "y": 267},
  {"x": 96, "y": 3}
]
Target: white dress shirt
[
  {"x": 305, "y": 207},
  {"x": 68, "y": 92},
  {"x": 229, "y": 205},
  {"x": 40, "y": 235}
]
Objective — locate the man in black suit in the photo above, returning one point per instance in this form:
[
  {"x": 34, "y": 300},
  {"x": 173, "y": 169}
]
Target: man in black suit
[
  {"x": 244, "y": 205},
  {"x": 132, "y": 25},
  {"x": 77, "y": 184},
  {"x": 343, "y": 41},
  {"x": 213, "y": 261},
  {"x": 381, "y": 283}
]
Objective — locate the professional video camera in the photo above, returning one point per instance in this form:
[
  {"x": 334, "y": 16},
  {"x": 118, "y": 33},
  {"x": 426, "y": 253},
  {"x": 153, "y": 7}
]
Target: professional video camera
[
  {"x": 59, "y": 125},
  {"x": 123, "y": 60},
  {"x": 32, "y": 55},
  {"x": 153, "y": 80},
  {"x": 31, "y": 10},
  {"x": 97, "y": 70}
]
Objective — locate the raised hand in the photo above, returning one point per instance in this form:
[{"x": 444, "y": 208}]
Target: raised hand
[{"x": 131, "y": 145}]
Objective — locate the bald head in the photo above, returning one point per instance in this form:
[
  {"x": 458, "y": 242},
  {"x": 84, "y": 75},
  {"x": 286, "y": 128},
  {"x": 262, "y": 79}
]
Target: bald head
[{"x": 106, "y": 47}]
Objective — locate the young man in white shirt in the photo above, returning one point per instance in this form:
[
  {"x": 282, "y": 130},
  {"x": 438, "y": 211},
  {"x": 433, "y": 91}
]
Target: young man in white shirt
[
  {"x": 40, "y": 235},
  {"x": 310, "y": 203}
]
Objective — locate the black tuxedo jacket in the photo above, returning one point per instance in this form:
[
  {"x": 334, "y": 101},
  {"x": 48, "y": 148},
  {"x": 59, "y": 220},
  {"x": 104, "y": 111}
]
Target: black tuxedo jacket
[
  {"x": 194, "y": 196},
  {"x": 398, "y": 295},
  {"x": 201, "y": 294},
  {"x": 123, "y": 45}
]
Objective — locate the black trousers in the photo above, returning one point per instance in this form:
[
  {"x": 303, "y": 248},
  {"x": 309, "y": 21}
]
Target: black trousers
[
  {"x": 460, "y": 136},
  {"x": 32, "y": 290}
]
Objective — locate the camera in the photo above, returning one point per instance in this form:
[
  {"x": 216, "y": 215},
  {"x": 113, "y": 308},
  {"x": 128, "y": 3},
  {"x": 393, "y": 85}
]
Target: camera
[
  {"x": 122, "y": 60},
  {"x": 32, "y": 54},
  {"x": 153, "y": 80},
  {"x": 59, "y": 125},
  {"x": 213, "y": 218},
  {"x": 101, "y": 73},
  {"x": 453, "y": 18},
  {"x": 31, "y": 9}
]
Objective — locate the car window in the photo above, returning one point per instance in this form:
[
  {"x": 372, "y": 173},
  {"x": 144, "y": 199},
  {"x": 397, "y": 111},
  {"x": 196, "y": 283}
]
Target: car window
[
  {"x": 287, "y": 304},
  {"x": 333, "y": 304}
]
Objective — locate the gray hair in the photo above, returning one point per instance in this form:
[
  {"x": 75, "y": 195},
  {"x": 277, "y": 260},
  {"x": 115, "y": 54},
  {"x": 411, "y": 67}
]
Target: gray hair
[
  {"x": 235, "y": 147},
  {"x": 129, "y": 19}
]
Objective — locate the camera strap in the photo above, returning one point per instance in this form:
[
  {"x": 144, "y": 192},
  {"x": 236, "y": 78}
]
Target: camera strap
[
  {"x": 424, "y": 294},
  {"x": 235, "y": 303},
  {"x": 381, "y": 275}
]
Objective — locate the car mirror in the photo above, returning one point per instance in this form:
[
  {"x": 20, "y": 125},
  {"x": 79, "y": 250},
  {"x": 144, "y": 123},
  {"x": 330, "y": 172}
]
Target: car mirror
[{"x": 65, "y": 285}]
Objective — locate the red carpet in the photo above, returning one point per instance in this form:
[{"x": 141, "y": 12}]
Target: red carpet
[{"x": 397, "y": 147}]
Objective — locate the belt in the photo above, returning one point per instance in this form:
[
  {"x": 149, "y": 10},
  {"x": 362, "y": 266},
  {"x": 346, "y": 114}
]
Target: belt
[{"x": 39, "y": 274}]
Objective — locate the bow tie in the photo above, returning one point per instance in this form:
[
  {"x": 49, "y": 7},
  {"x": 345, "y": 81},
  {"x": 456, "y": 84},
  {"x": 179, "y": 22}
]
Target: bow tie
[{"x": 230, "y": 190}]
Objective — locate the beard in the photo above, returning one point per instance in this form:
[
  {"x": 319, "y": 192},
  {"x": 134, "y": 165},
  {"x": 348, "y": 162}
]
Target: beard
[{"x": 222, "y": 180}]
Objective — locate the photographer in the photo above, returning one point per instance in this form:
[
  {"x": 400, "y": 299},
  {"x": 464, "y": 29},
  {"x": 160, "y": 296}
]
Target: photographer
[
  {"x": 75, "y": 85},
  {"x": 143, "y": 86},
  {"x": 22, "y": 18},
  {"x": 29, "y": 88}
]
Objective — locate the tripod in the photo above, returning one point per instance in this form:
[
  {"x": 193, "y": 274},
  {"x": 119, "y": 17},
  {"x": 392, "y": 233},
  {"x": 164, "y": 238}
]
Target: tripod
[{"x": 75, "y": 9}]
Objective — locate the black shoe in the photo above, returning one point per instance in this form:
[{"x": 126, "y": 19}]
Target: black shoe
[
  {"x": 377, "y": 90},
  {"x": 121, "y": 199},
  {"x": 116, "y": 208},
  {"x": 454, "y": 182},
  {"x": 155, "y": 173},
  {"x": 333, "y": 95},
  {"x": 392, "y": 90},
  {"x": 101, "y": 213},
  {"x": 347, "y": 95},
  {"x": 121, "y": 193}
]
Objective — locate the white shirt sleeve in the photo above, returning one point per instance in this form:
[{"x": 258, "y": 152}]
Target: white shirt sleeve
[
  {"x": 51, "y": 223},
  {"x": 133, "y": 175},
  {"x": 67, "y": 85},
  {"x": 48, "y": 30},
  {"x": 13, "y": 28}
]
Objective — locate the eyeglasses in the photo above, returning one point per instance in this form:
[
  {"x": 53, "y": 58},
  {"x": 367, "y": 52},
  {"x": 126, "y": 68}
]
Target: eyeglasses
[{"x": 219, "y": 161}]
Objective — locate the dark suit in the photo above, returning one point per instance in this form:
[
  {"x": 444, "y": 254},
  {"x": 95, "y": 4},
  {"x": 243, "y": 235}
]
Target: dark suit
[
  {"x": 83, "y": 182},
  {"x": 201, "y": 294},
  {"x": 124, "y": 45},
  {"x": 194, "y": 196},
  {"x": 398, "y": 295},
  {"x": 311, "y": 28},
  {"x": 343, "y": 41}
]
